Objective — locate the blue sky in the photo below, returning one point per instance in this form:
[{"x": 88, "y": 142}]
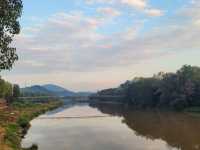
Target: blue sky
[
  {"x": 46, "y": 8},
  {"x": 95, "y": 44}
]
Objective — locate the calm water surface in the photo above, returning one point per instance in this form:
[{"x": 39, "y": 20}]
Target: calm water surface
[{"x": 110, "y": 127}]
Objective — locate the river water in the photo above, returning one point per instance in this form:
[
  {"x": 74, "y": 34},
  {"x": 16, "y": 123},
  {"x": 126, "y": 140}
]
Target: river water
[{"x": 111, "y": 127}]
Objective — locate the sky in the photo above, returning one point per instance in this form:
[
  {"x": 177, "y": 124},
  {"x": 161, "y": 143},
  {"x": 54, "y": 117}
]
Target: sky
[{"x": 88, "y": 45}]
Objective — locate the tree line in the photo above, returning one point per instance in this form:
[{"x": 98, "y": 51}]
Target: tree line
[
  {"x": 177, "y": 90},
  {"x": 8, "y": 91}
]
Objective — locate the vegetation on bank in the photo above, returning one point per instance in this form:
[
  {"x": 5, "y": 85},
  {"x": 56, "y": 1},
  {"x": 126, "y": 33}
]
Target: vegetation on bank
[
  {"x": 178, "y": 90},
  {"x": 14, "y": 121},
  {"x": 9, "y": 92}
]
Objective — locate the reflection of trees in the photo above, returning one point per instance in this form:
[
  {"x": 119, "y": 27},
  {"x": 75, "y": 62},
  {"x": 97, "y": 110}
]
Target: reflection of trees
[
  {"x": 177, "y": 129},
  {"x": 113, "y": 109}
]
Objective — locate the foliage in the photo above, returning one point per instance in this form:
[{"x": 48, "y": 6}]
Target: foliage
[
  {"x": 10, "y": 11},
  {"x": 8, "y": 91},
  {"x": 170, "y": 90},
  {"x": 5, "y": 89},
  {"x": 23, "y": 121},
  {"x": 17, "y": 125},
  {"x": 16, "y": 91},
  {"x": 12, "y": 135}
]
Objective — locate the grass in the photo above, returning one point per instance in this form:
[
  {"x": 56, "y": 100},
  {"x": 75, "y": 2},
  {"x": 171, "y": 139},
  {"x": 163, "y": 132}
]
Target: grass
[
  {"x": 14, "y": 121},
  {"x": 12, "y": 136}
]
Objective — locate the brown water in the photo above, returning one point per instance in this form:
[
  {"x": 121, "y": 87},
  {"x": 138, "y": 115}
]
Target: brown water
[{"x": 111, "y": 127}]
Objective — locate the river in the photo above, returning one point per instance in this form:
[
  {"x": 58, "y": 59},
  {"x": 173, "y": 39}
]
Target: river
[{"x": 112, "y": 127}]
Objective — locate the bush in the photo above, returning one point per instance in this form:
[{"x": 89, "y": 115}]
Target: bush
[
  {"x": 23, "y": 121},
  {"x": 12, "y": 137}
]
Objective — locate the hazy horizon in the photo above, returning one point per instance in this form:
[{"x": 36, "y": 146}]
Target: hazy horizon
[{"x": 88, "y": 45}]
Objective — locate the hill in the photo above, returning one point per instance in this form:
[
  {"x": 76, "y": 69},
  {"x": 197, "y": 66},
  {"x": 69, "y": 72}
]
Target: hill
[
  {"x": 57, "y": 90},
  {"x": 49, "y": 90},
  {"x": 35, "y": 90}
]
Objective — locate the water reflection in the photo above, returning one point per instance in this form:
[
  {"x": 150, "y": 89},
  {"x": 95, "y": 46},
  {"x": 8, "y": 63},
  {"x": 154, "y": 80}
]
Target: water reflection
[
  {"x": 123, "y": 130},
  {"x": 179, "y": 130}
]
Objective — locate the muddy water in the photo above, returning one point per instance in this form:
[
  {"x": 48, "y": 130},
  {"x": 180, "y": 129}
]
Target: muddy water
[{"x": 104, "y": 127}]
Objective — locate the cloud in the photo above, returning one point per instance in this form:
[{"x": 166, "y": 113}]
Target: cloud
[
  {"x": 140, "y": 4},
  {"x": 191, "y": 12},
  {"x": 154, "y": 12},
  {"x": 197, "y": 22},
  {"x": 71, "y": 42},
  {"x": 108, "y": 11},
  {"x": 99, "y": 1}
]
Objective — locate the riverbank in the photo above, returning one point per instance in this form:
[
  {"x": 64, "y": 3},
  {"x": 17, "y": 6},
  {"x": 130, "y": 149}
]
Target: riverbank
[{"x": 14, "y": 121}]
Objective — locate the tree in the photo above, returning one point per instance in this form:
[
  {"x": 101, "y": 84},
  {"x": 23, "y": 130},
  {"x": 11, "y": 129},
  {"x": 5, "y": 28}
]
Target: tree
[
  {"x": 141, "y": 92},
  {"x": 5, "y": 89},
  {"x": 10, "y": 11},
  {"x": 16, "y": 91},
  {"x": 164, "y": 90},
  {"x": 8, "y": 91}
]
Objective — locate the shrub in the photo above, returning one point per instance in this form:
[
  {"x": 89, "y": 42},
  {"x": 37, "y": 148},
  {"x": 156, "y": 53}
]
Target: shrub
[
  {"x": 12, "y": 137},
  {"x": 23, "y": 121}
]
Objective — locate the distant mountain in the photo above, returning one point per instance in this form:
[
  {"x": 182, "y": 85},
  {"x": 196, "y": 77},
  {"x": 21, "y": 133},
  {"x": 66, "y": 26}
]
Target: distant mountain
[
  {"x": 35, "y": 90},
  {"x": 57, "y": 90},
  {"x": 51, "y": 89}
]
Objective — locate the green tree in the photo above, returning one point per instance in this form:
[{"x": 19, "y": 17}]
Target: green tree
[
  {"x": 6, "y": 90},
  {"x": 2, "y": 82},
  {"x": 16, "y": 91},
  {"x": 10, "y": 11},
  {"x": 170, "y": 90},
  {"x": 141, "y": 92}
]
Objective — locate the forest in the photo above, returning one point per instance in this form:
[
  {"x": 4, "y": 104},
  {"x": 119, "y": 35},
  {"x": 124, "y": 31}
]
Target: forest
[{"x": 177, "y": 90}]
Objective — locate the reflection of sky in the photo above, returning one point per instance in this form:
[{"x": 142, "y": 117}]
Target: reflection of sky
[
  {"x": 76, "y": 111},
  {"x": 87, "y": 134}
]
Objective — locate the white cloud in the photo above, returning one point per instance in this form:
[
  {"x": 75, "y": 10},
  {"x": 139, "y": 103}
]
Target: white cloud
[
  {"x": 191, "y": 12},
  {"x": 70, "y": 42},
  {"x": 197, "y": 22},
  {"x": 140, "y": 4},
  {"x": 154, "y": 12},
  {"x": 108, "y": 11},
  {"x": 31, "y": 63},
  {"x": 99, "y": 1}
]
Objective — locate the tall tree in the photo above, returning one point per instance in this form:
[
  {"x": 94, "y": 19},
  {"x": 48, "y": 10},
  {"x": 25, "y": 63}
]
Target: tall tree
[
  {"x": 16, "y": 91},
  {"x": 10, "y": 11}
]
